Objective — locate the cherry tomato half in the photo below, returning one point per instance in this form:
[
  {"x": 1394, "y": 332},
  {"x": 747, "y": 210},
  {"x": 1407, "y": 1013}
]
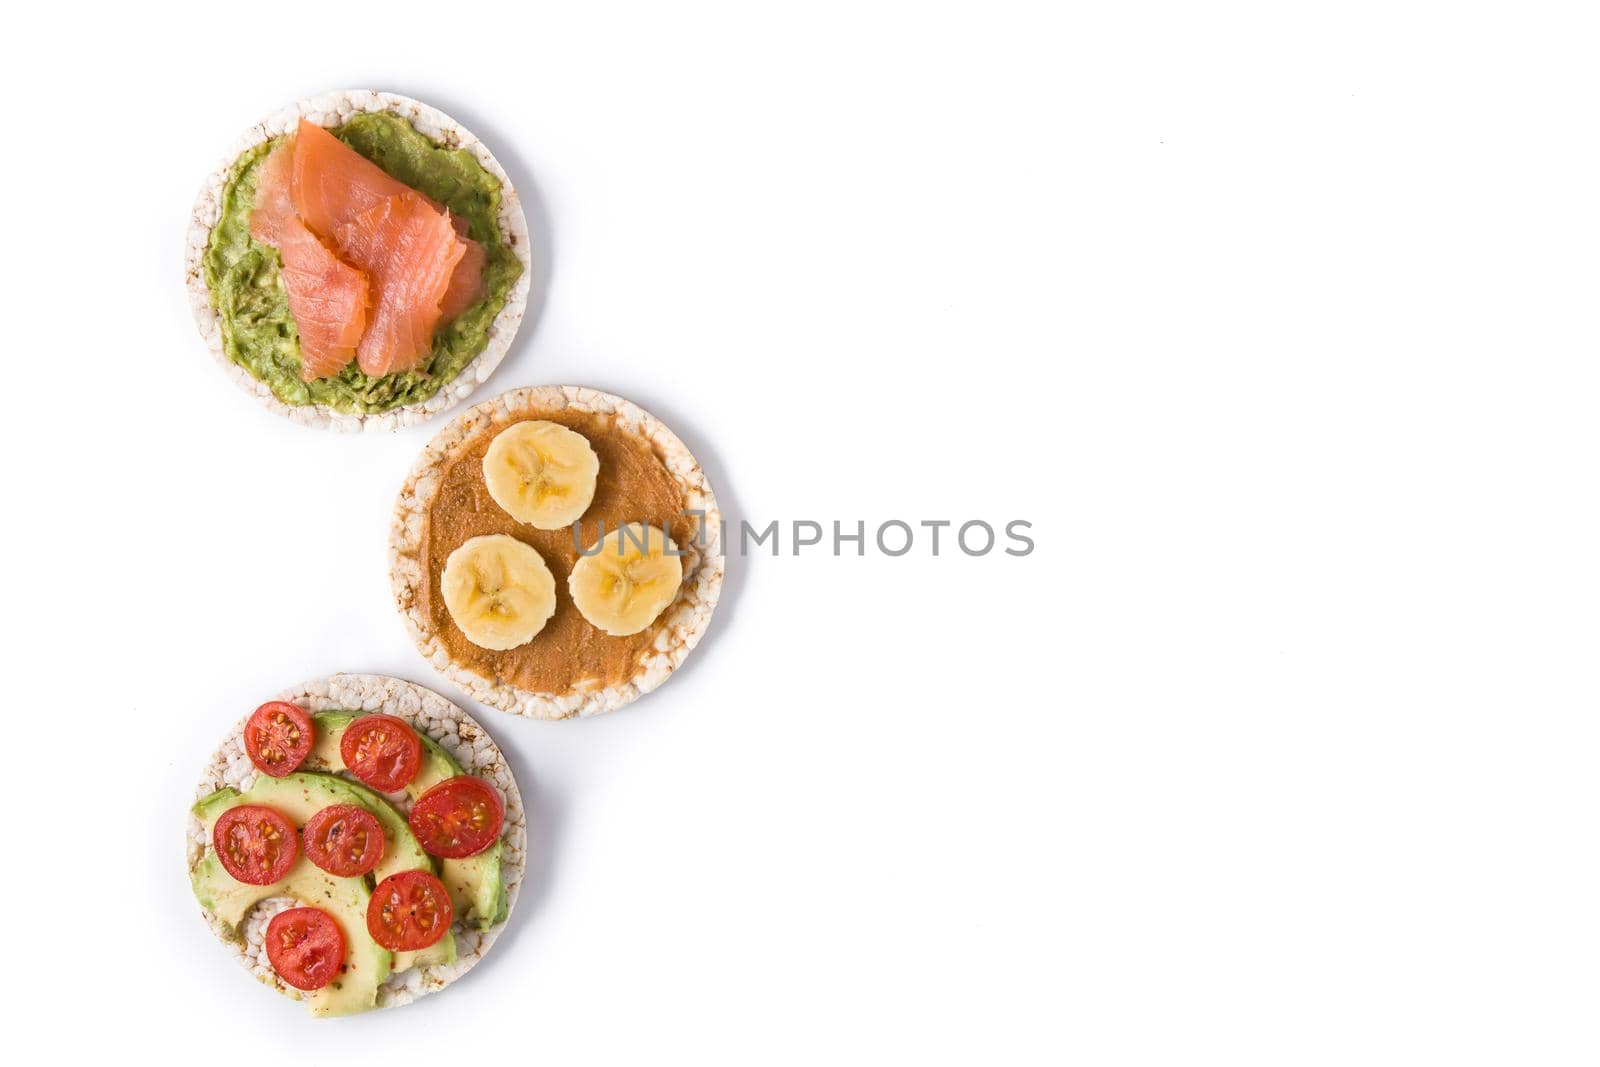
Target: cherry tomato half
[
  {"x": 255, "y": 844},
  {"x": 278, "y": 737},
  {"x": 382, "y": 751},
  {"x": 459, "y": 817},
  {"x": 343, "y": 839},
  {"x": 408, "y": 911},
  {"x": 306, "y": 947}
]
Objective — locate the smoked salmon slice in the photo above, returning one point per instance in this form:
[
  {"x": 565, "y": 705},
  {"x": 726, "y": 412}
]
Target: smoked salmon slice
[
  {"x": 410, "y": 251},
  {"x": 371, "y": 266},
  {"x": 332, "y": 183},
  {"x": 466, "y": 284},
  {"x": 395, "y": 234},
  {"x": 327, "y": 297}
]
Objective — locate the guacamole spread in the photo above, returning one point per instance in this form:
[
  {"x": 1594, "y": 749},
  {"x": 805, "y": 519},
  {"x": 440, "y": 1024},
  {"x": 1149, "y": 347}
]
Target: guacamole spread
[{"x": 258, "y": 332}]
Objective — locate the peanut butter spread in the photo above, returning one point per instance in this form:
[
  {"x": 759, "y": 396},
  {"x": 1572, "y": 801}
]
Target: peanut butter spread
[{"x": 569, "y": 654}]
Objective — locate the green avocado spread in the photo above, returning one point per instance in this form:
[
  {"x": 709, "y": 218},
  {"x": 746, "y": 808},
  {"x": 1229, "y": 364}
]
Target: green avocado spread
[{"x": 258, "y": 333}]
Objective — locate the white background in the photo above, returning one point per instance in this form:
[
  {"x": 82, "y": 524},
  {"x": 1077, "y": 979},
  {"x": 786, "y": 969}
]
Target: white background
[{"x": 1279, "y": 325}]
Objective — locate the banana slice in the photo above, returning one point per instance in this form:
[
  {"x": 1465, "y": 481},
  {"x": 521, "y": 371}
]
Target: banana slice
[
  {"x": 498, "y": 590},
  {"x": 541, "y": 473},
  {"x": 622, "y": 587}
]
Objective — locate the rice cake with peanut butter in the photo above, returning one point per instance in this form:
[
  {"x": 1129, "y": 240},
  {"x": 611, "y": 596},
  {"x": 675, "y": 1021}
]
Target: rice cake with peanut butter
[{"x": 570, "y": 666}]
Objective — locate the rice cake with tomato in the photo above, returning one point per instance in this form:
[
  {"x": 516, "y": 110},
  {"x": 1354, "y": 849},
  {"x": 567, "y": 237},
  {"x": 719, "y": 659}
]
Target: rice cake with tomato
[{"x": 432, "y": 717}]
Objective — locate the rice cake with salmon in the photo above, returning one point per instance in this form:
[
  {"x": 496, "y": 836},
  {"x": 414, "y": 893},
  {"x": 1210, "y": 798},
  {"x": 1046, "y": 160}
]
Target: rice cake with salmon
[{"x": 360, "y": 261}]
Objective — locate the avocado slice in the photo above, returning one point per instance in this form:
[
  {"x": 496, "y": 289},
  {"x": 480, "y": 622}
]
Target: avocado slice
[
  {"x": 300, "y": 795},
  {"x": 436, "y": 766},
  {"x": 477, "y": 891},
  {"x": 401, "y": 852},
  {"x": 366, "y": 963}
]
